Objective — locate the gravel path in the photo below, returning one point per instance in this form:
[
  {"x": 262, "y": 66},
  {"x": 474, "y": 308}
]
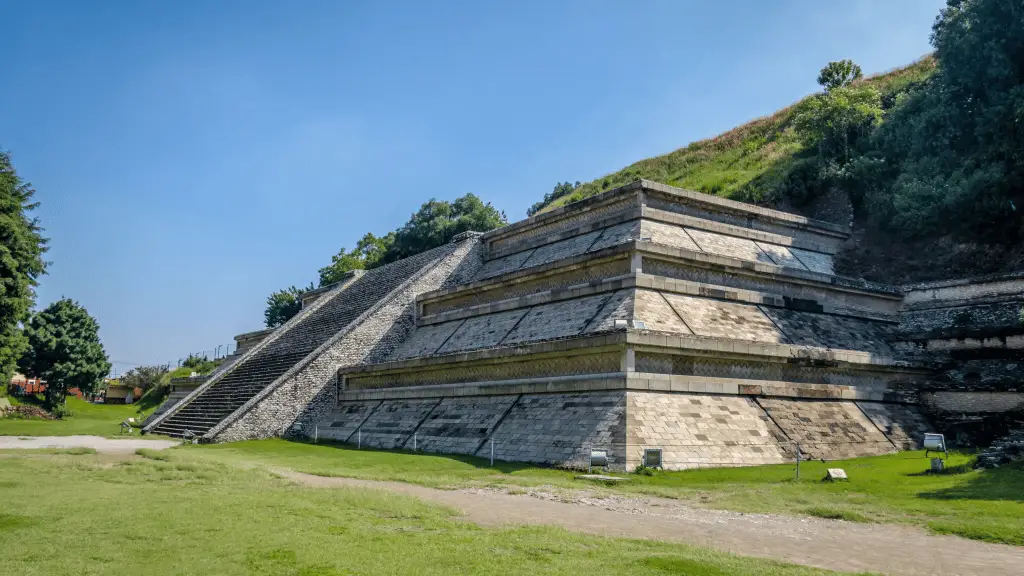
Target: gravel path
[
  {"x": 831, "y": 544},
  {"x": 98, "y": 443}
]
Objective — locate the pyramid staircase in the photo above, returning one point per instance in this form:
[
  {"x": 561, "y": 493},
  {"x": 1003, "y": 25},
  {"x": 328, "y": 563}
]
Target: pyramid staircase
[{"x": 259, "y": 368}]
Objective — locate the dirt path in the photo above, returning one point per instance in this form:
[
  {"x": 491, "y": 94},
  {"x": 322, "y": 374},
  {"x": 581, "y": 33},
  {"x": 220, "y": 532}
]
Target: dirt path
[
  {"x": 98, "y": 443},
  {"x": 830, "y": 544}
]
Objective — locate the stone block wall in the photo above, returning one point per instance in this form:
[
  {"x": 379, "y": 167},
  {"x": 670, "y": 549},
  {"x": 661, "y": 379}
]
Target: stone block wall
[
  {"x": 461, "y": 425},
  {"x": 394, "y": 422},
  {"x": 341, "y": 424},
  {"x": 702, "y": 430},
  {"x": 902, "y": 424},
  {"x": 561, "y": 429},
  {"x": 826, "y": 429}
]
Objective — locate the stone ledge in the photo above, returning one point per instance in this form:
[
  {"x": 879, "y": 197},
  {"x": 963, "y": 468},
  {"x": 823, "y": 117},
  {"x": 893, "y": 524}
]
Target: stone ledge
[
  {"x": 705, "y": 200},
  {"x": 659, "y": 215},
  {"x": 655, "y": 342},
  {"x": 638, "y": 381},
  {"x": 627, "y": 214},
  {"x": 674, "y": 255}
]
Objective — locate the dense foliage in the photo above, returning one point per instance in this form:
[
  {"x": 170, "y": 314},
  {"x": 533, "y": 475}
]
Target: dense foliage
[
  {"x": 200, "y": 364},
  {"x": 21, "y": 263},
  {"x": 144, "y": 377},
  {"x": 433, "y": 225},
  {"x": 65, "y": 350},
  {"x": 950, "y": 156},
  {"x": 282, "y": 305}
]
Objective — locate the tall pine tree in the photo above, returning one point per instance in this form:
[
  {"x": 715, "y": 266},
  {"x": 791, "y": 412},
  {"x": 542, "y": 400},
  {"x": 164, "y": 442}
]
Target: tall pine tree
[{"x": 21, "y": 263}]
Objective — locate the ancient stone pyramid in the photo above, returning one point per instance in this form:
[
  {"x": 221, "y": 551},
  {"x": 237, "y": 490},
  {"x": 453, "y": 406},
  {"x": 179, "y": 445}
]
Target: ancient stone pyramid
[
  {"x": 644, "y": 318},
  {"x": 647, "y": 317}
]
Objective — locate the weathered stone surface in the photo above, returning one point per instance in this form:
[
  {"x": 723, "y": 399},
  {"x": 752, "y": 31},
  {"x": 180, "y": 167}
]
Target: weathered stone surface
[
  {"x": 654, "y": 311},
  {"x": 460, "y": 425},
  {"x": 668, "y": 234},
  {"x": 394, "y": 422},
  {"x": 698, "y": 430},
  {"x": 904, "y": 425},
  {"x": 482, "y": 331},
  {"x": 561, "y": 249},
  {"x": 503, "y": 265},
  {"x": 814, "y": 261},
  {"x": 720, "y": 319},
  {"x": 618, "y": 307},
  {"x": 617, "y": 235},
  {"x": 425, "y": 340},
  {"x": 780, "y": 255},
  {"x": 342, "y": 422},
  {"x": 556, "y": 320},
  {"x": 827, "y": 430},
  {"x": 561, "y": 429},
  {"x": 825, "y": 331},
  {"x": 741, "y": 248}
]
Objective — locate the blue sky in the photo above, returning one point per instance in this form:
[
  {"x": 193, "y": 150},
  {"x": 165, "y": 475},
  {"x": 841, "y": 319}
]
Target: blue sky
[{"x": 192, "y": 157}]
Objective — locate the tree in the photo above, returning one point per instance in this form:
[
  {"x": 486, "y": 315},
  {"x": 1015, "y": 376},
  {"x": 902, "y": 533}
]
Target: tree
[
  {"x": 21, "y": 263},
  {"x": 438, "y": 221},
  {"x": 282, "y": 305},
  {"x": 65, "y": 350},
  {"x": 144, "y": 377},
  {"x": 837, "y": 121},
  {"x": 368, "y": 252},
  {"x": 839, "y": 74}
]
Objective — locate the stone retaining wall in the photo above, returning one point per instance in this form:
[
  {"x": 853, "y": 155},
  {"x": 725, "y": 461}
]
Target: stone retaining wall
[{"x": 692, "y": 430}]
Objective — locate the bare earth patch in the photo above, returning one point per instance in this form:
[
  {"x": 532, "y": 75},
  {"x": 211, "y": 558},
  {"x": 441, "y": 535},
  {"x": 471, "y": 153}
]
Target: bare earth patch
[
  {"x": 830, "y": 544},
  {"x": 100, "y": 444}
]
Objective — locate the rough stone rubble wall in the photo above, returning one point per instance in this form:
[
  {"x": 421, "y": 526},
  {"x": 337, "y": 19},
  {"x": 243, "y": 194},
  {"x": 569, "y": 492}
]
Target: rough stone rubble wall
[{"x": 309, "y": 393}]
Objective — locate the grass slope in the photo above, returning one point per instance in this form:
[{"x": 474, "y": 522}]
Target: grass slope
[
  {"x": 980, "y": 504},
  {"x": 86, "y": 514},
  {"x": 737, "y": 163},
  {"x": 86, "y": 418}
]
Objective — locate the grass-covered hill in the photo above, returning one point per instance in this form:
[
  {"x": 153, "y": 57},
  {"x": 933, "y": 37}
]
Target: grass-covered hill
[
  {"x": 745, "y": 163},
  {"x": 927, "y": 161}
]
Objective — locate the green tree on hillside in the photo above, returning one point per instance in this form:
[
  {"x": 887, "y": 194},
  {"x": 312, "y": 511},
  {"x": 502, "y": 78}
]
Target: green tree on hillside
[
  {"x": 836, "y": 122},
  {"x": 282, "y": 305},
  {"x": 65, "y": 350},
  {"x": 438, "y": 221},
  {"x": 839, "y": 74},
  {"x": 21, "y": 263},
  {"x": 368, "y": 252}
]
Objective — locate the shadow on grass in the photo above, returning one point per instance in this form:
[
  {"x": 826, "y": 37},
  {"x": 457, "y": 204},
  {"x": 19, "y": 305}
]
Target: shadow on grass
[
  {"x": 476, "y": 462},
  {"x": 1002, "y": 483}
]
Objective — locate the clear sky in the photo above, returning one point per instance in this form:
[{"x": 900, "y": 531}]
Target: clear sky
[{"x": 192, "y": 157}]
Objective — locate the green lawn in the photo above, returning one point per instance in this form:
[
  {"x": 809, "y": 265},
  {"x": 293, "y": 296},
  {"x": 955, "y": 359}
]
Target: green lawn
[
  {"x": 196, "y": 512},
  {"x": 86, "y": 418},
  {"x": 980, "y": 504}
]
